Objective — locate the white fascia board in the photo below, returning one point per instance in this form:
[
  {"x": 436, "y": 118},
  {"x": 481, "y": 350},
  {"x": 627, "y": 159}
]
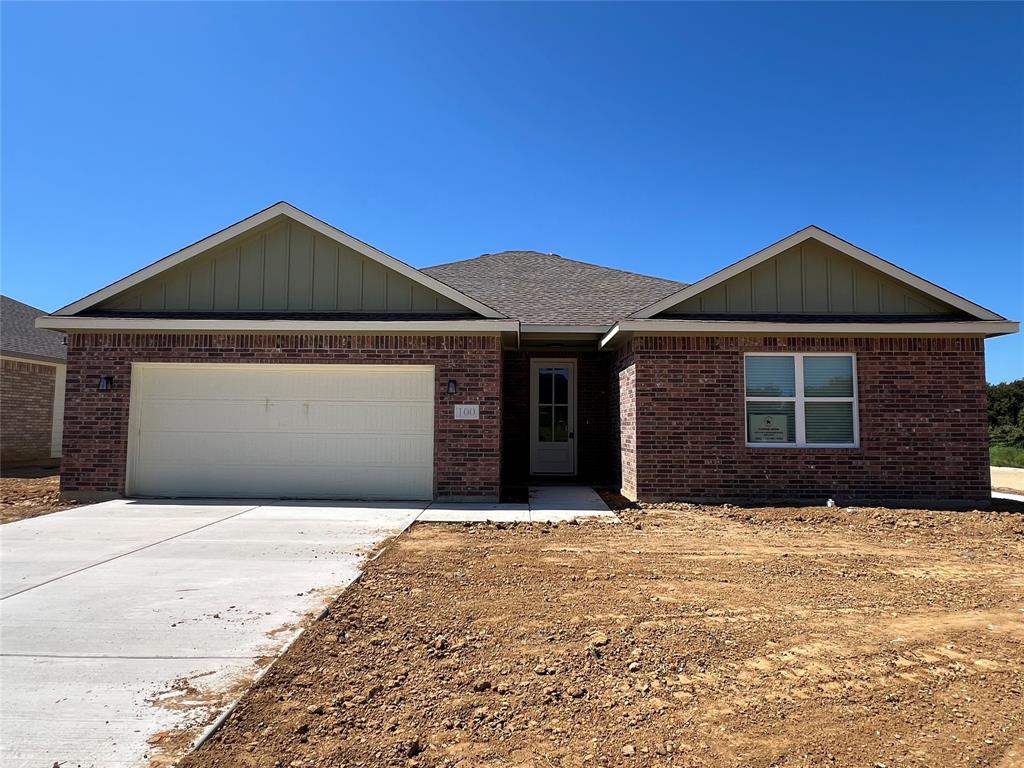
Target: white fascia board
[
  {"x": 851, "y": 250},
  {"x": 562, "y": 329},
  {"x": 607, "y": 338},
  {"x": 23, "y": 357},
  {"x": 99, "y": 324},
  {"x": 258, "y": 219},
  {"x": 985, "y": 328}
]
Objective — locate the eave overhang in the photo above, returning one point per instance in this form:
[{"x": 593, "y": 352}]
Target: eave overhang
[
  {"x": 79, "y": 323},
  {"x": 626, "y": 329}
]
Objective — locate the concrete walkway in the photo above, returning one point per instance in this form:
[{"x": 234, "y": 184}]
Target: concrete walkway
[
  {"x": 548, "y": 504},
  {"x": 124, "y": 620},
  {"x": 1009, "y": 496},
  {"x": 1011, "y": 479}
]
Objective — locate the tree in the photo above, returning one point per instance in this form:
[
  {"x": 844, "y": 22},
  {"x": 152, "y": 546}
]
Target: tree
[{"x": 1006, "y": 413}]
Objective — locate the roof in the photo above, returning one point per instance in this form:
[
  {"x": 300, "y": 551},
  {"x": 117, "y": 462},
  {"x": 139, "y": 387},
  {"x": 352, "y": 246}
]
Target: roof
[
  {"x": 545, "y": 288},
  {"x": 19, "y": 336}
]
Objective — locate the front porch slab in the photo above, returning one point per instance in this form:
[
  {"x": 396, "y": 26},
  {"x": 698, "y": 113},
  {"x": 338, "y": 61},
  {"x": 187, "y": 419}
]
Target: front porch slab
[{"x": 548, "y": 504}]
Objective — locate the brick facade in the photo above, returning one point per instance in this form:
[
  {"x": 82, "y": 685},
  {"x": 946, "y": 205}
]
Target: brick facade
[
  {"x": 622, "y": 400},
  {"x": 923, "y": 433},
  {"x": 467, "y": 454},
  {"x": 592, "y": 416},
  {"x": 26, "y": 410},
  {"x": 663, "y": 417}
]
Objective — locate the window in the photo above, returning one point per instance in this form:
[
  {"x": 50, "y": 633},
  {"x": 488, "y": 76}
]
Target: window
[{"x": 801, "y": 400}]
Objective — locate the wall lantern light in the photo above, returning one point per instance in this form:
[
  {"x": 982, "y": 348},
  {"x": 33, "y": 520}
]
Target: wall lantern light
[
  {"x": 105, "y": 384},
  {"x": 452, "y": 387}
]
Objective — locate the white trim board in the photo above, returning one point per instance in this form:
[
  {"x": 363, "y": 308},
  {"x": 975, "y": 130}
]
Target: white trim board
[
  {"x": 563, "y": 329},
  {"x": 849, "y": 249},
  {"x": 985, "y": 328},
  {"x": 258, "y": 219},
  {"x": 33, "y": 360},
  {"x": 76, "y": 323},
  {"x": 57, "y": 415}
]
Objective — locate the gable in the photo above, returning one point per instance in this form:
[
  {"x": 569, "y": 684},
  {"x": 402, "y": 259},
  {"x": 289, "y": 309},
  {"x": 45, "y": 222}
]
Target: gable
[
  {"x": 279, "y": 260},
  {"x": 813, "y": 272},
  {"x": 811, "y": 279},
  {"x": 283, "y": 266}
]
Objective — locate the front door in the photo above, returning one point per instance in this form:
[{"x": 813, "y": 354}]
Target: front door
[{"x": 552, "y": 417}]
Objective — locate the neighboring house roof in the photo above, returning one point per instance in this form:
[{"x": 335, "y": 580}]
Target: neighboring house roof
[
  {"x": 545, "y": 288},
  {"x": 19, "y": 336}
]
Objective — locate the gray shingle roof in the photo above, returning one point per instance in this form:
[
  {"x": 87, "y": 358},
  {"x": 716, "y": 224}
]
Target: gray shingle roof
[
  {"x": 545, "y": 288},
  {"x": 20, "y": 337}
]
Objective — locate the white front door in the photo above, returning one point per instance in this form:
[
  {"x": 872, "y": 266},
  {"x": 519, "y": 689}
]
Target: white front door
[{"x": 552, "y": 417}]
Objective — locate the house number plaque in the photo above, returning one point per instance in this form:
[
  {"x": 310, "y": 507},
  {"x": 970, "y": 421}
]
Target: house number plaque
[{"x": 467, "y": 412}]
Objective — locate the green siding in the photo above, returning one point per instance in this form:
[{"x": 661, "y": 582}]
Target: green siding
[
  {"x": 286, "y": 267},
  {"x": 811, "y": 279},
  {"x": 325, "y": 274}
]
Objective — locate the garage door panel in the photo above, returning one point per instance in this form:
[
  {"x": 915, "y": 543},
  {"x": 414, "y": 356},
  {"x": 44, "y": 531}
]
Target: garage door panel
[
  {"x": 309, "y": 482},
  {"x": 326, "y": 383},
  {"x": 318, "y": 431},
  {"x": 268, "y": 451},
  {"x": 270, "y": 415}
]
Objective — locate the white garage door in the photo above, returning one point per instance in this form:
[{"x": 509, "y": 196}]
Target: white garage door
[{"x": 298, "y": 431}]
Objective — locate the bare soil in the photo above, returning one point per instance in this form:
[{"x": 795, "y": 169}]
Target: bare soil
[
  {"x": 688, "y": 636},
  {"x": 30, "y": 492}
]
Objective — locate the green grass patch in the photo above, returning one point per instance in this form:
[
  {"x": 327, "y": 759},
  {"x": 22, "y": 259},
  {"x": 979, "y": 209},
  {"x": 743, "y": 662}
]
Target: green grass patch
[{"x": 1005, "y": 456}]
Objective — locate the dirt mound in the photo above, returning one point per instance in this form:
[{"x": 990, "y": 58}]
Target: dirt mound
[{"x": 25, "y": 494}]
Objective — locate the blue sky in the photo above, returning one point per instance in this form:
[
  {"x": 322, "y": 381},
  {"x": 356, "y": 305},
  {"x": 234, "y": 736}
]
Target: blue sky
[{"x": 671, "y": 139}]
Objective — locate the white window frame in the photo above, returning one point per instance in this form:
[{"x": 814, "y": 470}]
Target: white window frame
[{"x": 799, "y": 400}]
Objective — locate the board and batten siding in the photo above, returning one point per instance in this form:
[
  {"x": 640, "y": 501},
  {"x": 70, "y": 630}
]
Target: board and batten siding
[
  {"x": 814, "y": 279},
  {"x": 283, "y": 267}
]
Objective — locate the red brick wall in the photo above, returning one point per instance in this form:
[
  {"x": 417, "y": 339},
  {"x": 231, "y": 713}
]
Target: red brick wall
[
  {"x": 923, "y": 432},
  {"x": 622, "y": 398},
  {"x": 592, "y": 421},
  {"x": 467, "y": 454},
  {"x": 26, "y": 410}
]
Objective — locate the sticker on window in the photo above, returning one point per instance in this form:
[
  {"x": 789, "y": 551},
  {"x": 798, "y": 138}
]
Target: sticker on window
[{"x": 769, "y": 429}]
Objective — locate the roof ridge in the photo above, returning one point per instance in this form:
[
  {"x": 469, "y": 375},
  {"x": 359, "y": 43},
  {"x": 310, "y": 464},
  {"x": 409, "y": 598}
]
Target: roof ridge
[
  {"x": 562, "y": 258},
  {"x": 491, "y": 255}
]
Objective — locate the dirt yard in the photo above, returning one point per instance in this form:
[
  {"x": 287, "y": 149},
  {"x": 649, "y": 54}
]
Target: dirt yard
[
  {"x": 26, "y": 493},
  {"x": 688, "y": 637}
]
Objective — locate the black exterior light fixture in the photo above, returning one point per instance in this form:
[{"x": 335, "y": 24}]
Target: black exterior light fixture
[
  {"x": 105, "y": 383},
  {"x": 452, "y": 387}
]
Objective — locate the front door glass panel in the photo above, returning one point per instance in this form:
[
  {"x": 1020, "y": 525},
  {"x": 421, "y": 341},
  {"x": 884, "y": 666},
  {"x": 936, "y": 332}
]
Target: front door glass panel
[{"x": 553, "y": 405}]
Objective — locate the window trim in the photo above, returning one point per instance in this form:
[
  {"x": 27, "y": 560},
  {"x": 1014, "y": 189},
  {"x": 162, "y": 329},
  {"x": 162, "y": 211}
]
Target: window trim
[{"x": 800, "y": 399}]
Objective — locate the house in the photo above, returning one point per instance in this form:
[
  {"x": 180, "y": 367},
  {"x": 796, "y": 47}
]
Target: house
[
  {"x": 32, "y": 368},
  {"x": 282, "y": 357}
]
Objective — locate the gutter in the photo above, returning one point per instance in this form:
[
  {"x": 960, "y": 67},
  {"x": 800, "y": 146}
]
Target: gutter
[
  {"x": 407, "y": 327},
  {"x": 627, "y": 328}
]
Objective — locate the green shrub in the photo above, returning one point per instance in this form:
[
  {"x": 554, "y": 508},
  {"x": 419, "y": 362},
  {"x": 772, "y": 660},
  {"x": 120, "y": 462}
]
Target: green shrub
[{"x": 1005, "y": 456}]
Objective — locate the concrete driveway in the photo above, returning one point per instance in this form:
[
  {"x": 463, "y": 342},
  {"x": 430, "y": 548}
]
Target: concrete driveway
[{"x": 121, "y": 621}]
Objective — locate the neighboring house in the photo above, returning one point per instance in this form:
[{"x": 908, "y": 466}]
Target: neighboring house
[
  {"x": 282, "y": 357},
  {"x": 32, "y": 367}
]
